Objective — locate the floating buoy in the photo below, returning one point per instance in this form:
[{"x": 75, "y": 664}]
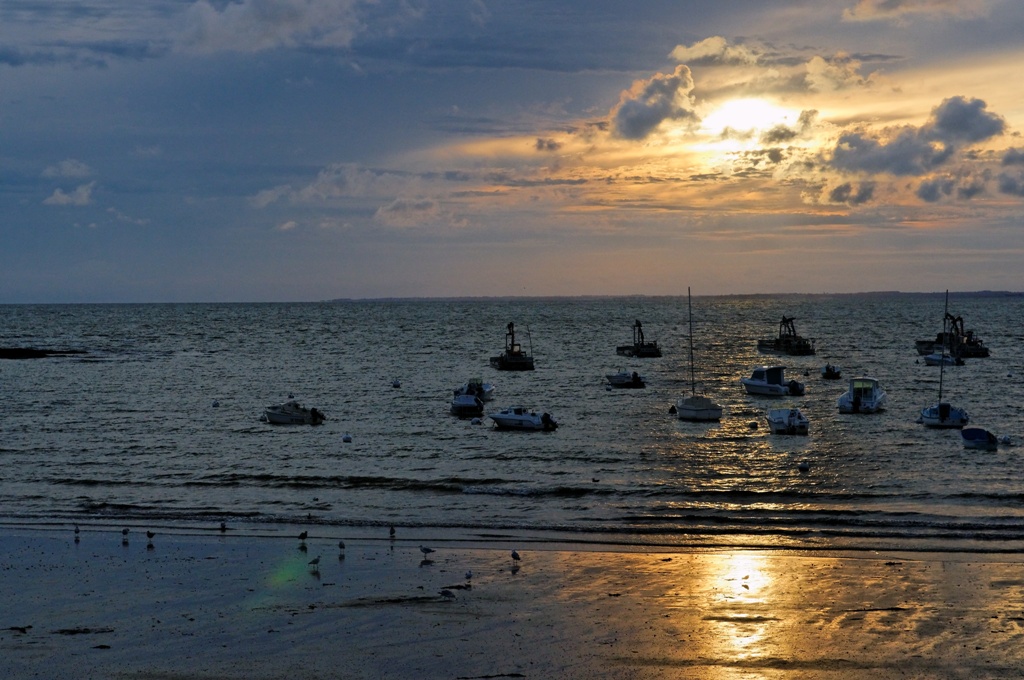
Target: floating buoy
[
  {"x": 346, "y": 438},
  {"x": 216, "y": 403},
  {"x": 396, "y": 383},
  {"x": 804, "y": 466},
  {"x": 672, "y": 409},
  {"x": 753, "y": 425}
]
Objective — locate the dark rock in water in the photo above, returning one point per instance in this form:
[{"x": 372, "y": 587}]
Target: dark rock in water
[{"x": 33, "y": 353}]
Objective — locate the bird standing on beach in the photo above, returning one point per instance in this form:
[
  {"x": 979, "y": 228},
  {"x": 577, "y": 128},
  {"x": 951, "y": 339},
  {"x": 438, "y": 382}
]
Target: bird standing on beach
[
  {"x": 391, "y": 532},
  {"x": 76, "y": 534},
  {"x": 303, "y": 535},
  {"x": 426, "y": 554},
  {"x": 124, "y": 536},
  {"x": 149, "y": 540},
  {"x": 515, "y": 557},
  {"x": 315, "y": 563},
  {"x": 341, "y": 550}
]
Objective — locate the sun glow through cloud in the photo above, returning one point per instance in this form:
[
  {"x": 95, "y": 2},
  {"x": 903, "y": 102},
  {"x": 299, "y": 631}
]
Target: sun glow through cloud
[{"x": 746, "y": 118}]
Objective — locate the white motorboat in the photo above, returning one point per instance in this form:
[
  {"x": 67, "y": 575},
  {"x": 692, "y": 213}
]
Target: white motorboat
[
  {"x": 979, "y": 438},
  {"x": 770, "y": 381},
  {"x": 942, "y": 359},
  {"x": 865, "y": 395},
  {"x": 519, "y": 418},
  {"x": 943, "y": 414},
  {"x": 696, "y": 407},
  {"x": 787, "y": 421},
  {"x": 292, "y": 412},
  {"x": 467, "y": 406},
  {"x": 478, "y": 388},
  {"x": 626, "y": 379}
]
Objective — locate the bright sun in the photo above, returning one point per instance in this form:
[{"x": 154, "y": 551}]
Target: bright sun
[{"x": 746, "y": 117}]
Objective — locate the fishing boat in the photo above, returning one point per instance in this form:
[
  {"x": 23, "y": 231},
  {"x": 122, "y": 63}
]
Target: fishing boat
[
  {"x": 943, "y": 414},
  {"x": 519, "y": 418},
  {"x": 292, "y": 412},
  {"x": 640, "y": 349},
  {"x": 865, "y": 395},
  {"x": 513, "y": 358},
  {"x": 770, "y": 381},
  {"x": 626, "y": 379},
  {"x": 696, "y": 407},
  {"x": 787, "y": 421},
  {"x": 788, "y": 341},
  {"x": 961, "y": 343},
  {"x": 979, "y": 438}
]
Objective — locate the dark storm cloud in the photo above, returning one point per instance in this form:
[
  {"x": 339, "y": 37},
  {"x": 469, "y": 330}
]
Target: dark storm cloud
[
  {"x": 914, "y": 151},
  {"x": 845, "y": 193},
  {"x": 1011, "y": 184},
  {"x": 1013, "y": 157},
  {"x": 934, "y": 189},
  {"x": 650, "y": 102},
  {"x": 960, "y": 119}
]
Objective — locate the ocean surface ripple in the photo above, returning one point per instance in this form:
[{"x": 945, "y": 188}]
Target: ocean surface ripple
[{"x": 127, "y": 431}]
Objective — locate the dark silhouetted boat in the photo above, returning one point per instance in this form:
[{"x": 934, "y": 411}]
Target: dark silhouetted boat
[
  {"x": 513, "y": 358},
  {"x": 788, "y": 342},
  {"x": 641, "y": 349}
]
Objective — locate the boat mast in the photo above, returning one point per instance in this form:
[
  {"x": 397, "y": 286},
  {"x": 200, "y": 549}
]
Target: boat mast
[
  {"x": 693, "y": 380},
  {"x": 942, "y": 358}
]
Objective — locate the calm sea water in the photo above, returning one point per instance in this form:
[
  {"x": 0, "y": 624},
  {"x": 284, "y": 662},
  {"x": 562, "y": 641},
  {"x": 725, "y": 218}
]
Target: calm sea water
[{"x": 127, "y": 432}]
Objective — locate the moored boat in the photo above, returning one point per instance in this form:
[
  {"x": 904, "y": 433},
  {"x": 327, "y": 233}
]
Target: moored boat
[
  {"x": 520, "y": 418},
  {"x": 467, "y": 406},
  {"x": 942, "y": 414},
  {"x": 626, "y": 379},
  {"x": 942, "y": 359},
  {"x": 787, "y": 421},
  {"x": 831, "y": 372},
  {"x": 696, "y": 407},
  {"x": 979, "y": 438},
  {"x": 292, "y": 412},
  {"x": 478, "y": 388},
  {"x": 641, "y": 349},
  {"x": 788, "y": 341},
  {"x": 514, "y": 358},
  {"x": 865, "y": 395},
  {"x": 959, "y": 342},
  {"x": 770, "y": 381}
]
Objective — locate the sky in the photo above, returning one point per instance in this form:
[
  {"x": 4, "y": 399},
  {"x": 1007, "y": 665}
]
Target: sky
[{"x": 303, "y": 150}]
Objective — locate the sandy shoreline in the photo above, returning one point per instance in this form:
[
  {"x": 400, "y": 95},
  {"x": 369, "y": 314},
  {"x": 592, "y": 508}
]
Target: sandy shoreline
[{"x": 246, "y": 607}]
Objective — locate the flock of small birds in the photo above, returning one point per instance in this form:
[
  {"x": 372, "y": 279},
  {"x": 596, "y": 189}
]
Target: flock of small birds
[{"x": 314, "y": 564}]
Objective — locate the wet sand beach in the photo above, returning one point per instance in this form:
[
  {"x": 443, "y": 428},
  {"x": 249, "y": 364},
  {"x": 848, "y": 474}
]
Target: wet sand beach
[{"x": 253, "y": 607}]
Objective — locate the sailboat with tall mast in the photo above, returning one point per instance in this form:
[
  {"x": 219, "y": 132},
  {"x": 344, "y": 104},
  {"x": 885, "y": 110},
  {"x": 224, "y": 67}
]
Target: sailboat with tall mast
[
  {"x": 696, "y": 407},
  {"x": 943, "y": 414}
]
